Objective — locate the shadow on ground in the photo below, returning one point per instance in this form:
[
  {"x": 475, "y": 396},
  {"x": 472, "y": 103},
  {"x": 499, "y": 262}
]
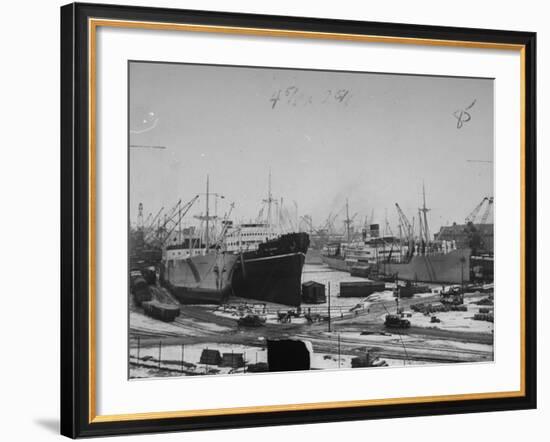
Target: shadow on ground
[{"x": 51, "y": 425}]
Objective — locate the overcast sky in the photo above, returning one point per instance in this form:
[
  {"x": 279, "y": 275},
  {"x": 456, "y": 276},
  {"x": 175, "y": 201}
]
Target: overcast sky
[{"x": 326, "y": 136}]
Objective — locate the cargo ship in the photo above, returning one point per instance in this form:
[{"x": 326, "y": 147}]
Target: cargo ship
[
  {"x": 332, "y": 256},
  {"x": 452, "y": 267},
  {"x": 457, "y": 254},
  {"x": 442, "y": 262},
  {"x": 360, "y": 253},
  {"x": 250, "y": 260},
  {"x": 195, "y": 268},
  {"x": 269, "y": 262},
  {"x": 360, "y": 257},
  {"x": 195, "y": 275},
  {"x": 273, "y": 271}
]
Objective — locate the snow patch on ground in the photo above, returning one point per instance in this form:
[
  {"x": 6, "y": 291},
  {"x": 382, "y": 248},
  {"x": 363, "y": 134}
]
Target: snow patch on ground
[
  {"x": 142, "y": 322},
  {"x": 171, "y": 360},
  {"x": 182, "y": 325},
  {"x": 457, "y": 321}
]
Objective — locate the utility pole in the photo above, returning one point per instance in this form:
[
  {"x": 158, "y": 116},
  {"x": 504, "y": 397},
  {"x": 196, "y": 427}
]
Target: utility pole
[
  {"x": 329, "y": 306},
  {"x": 160, "y": 352},
  {"x": 338, "y": 350},
  {"x": 182, "y": 351},
  {"x": 462, "y": 261},
  {"x": 425, "y": 211}
]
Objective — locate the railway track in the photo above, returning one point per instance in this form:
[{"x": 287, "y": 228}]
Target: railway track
[{"x": 423, "y": 352}]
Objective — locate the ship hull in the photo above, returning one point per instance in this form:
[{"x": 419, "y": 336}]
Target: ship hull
[
  {"x": 273, "y": 273},
  {"x": 449, "y": 268},
  {"x": 271, "y": 279},
  {"x": 201, "y": 279},
  {"x": 336, "y": 263}
]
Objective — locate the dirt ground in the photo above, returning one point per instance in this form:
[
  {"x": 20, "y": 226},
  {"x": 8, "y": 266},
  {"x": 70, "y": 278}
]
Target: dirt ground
[{"x": 356, "y": 331}]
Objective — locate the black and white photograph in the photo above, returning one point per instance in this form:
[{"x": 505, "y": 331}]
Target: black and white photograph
[
  {"x": 292, "y": 219},
  {"x": 274, "y": 220}
]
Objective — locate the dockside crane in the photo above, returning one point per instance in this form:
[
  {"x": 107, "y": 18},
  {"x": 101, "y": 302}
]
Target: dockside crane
[
  {"x": 488, "y": 210},
  {"x": 180, "y": 212},
  {"x": 306, "y": 219},
  {"x": 225, "y": 226},
  {"x": 329, "y": 224},
  {"x": 146, "y": 222},
  {"x": 407, "y": 228},
  {"x": 151, "y": 226},
  {"x": 474, "y": 213},
  {"x": 404, "y": 222}
]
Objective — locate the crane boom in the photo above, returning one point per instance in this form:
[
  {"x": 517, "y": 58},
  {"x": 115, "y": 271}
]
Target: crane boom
[
  {"x": 404, "y": 221},
  {"x": 408, "y": 230},
  {"x": 474, "y": 213},
  {"x": 225, "y": 227},
  {"x": 154, "y": 220},
  {"x": 487, "y": 210},
  {"x": 184, "y": 211},
  {"x": 151, "y": 226}
]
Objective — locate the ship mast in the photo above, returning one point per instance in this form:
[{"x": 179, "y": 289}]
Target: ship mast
[
  {"x": 348, "y": 221},
  {"x": 207, "y": 216},
  {"x": 269, "y": 201},
  {"x": 425, "y": 211},
  {"x": 207, "y": 212}
]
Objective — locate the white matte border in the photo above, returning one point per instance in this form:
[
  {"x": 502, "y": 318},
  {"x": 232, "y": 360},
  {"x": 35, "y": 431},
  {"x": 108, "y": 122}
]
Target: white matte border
[{"x": 116, "y": 395}]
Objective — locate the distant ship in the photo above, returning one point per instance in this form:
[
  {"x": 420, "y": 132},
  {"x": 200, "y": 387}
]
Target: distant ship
[
  {"x": 452, "y": 267},
  {"x": 332, "y": 256},
  {"x": 364, "y": 252},
  {"x": 458, "y": 253}
]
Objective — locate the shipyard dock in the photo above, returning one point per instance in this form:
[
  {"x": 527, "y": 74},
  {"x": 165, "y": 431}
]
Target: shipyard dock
[{"x": 339, "y": 331}]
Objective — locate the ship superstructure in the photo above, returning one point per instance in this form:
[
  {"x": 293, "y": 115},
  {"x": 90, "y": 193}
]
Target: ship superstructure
[{"x": 248, "y": 236}]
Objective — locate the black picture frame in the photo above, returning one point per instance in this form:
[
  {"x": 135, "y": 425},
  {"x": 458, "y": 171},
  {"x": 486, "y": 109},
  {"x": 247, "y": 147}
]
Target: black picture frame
[{"x": 75, "y": 221}]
